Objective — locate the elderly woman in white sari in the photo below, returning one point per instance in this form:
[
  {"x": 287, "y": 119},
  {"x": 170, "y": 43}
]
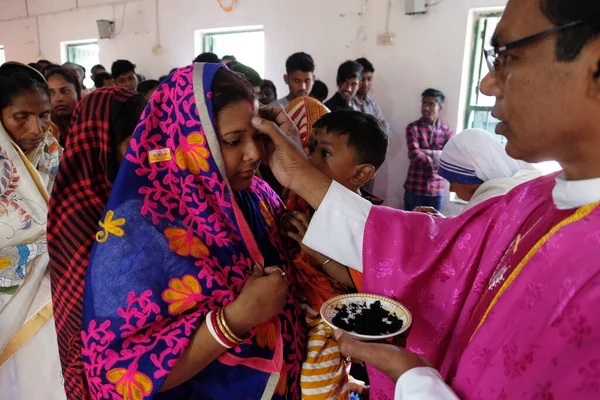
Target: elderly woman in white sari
[
  {"x": 29, "y": 158},
  {"x": 478, "y": 168}
]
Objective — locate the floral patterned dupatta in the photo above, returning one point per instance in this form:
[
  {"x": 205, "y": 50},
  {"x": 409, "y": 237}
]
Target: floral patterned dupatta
[
  {"x": 170, "y": 248},
  {"x": 23, "y": 252}
]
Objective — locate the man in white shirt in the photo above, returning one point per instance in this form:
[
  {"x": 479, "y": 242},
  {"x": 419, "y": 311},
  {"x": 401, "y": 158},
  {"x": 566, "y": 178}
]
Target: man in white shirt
[
  {"x": 507, "y": 297},
  {"x": 300, "y": 77}
]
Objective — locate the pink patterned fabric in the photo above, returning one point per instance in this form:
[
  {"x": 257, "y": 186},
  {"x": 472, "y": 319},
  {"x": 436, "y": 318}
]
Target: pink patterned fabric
[{"x": 541, "y": 337}]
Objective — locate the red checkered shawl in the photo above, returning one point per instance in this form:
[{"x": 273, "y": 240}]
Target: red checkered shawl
[{"x": 81, "y": 190}]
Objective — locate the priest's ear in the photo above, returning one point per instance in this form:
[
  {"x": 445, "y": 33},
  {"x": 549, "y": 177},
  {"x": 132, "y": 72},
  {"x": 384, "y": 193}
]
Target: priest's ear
[
  {"x": 592, "y": 51},
  {"x": 363, "y": 173}
]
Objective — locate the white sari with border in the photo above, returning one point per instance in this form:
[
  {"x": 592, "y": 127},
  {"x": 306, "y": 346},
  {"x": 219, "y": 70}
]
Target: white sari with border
[{"x": 29, "y": 362}]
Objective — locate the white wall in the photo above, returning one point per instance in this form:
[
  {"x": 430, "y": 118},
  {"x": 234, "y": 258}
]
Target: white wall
[{"x": 428, "y": 49}]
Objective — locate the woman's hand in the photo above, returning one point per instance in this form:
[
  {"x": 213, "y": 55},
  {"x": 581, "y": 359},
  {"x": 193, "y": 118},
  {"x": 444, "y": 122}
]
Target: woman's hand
[
  {"x": 263, "y": 297},
  {"x": 296, "y": 225}
]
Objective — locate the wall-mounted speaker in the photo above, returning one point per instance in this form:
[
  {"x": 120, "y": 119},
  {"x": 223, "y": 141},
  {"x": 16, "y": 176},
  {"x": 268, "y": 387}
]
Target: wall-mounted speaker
[{"x": 105, "y": 28}]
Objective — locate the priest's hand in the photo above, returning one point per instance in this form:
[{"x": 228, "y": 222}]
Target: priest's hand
[
  {"x": 387, "y": 358},
  {"x": 287, "y": 160}
]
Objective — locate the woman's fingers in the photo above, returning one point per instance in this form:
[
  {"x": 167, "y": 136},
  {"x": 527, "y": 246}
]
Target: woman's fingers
[
  {"x": 294, "y": 236},
  {"x": 304, "y": 218},
  {"x": 296, "y": 223},
  {"x": 273, "y": 270}
]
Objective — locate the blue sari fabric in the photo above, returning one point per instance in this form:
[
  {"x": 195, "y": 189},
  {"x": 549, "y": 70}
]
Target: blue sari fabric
[{"x": 170, "y": 249}]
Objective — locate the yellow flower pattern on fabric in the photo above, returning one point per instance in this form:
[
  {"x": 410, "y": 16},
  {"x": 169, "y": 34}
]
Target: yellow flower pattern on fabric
[
  {"x": 110, "y": 226},
  {"x": 192, "y": 154},
  {"x": 185, "y": 243},
  {"x": 264, "y": 210},
  {"x": 182, "y": 295},
  {"x": 130, "y": 385},
  {"x": 5, "y": 262}
]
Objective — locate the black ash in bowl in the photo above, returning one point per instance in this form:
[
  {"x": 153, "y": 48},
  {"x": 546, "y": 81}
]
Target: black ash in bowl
[{"x": 372, "y": 320}]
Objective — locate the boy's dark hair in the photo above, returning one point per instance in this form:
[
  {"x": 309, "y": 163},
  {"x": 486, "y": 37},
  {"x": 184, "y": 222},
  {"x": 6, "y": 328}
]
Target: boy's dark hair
[
  {"x": 147, "y": 86},
  {"x": 16, "y": 79},
  {"x": 100, "y": 78},
  {"x": 319, "y": 90},
  {"x": 67, "y": 76},
  {"x": 349, "y": 70},
  {"x": 299, "y": 62},
  {"x": 229, "y": 87},
  {"x": 121, "y": 67},
  {"x": 365, "y": 134},
  {"x": 570, "y": 42},
  {"x": 207, "y": 58},
  {"x": 366, "y": 64},
  {"x": 250, "y": 74},
  {"x": 439, "y": 96},
  {"x": 228, "y": 58}
]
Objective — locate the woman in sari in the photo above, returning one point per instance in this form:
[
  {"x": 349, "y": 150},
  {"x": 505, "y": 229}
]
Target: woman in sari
[
  {"x": 65, "y": 92},
  {"x": 29, "y": 157},
  {"x": 177, "y": 303},
  {"x": 103, "y": 123}
]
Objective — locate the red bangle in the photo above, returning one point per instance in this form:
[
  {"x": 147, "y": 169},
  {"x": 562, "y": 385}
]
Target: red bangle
[{"x": 217, "y": 334}]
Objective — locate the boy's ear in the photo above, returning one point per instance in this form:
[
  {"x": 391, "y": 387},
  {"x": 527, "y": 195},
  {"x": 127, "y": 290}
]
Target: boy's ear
[
  {"x": 285, "y": 79},
  {"x": 363, "y": 174}
]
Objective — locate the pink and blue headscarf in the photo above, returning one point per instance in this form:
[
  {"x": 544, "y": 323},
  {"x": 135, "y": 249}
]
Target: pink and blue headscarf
[{"x": 173, "y": 244}]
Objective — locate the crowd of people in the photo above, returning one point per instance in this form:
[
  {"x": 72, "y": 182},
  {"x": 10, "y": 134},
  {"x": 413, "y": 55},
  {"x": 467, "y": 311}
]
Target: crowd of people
[{"x": 176, "y": 238}]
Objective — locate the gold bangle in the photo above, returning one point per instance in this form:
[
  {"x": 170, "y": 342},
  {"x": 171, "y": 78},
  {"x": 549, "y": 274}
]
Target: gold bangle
[
  {"x": 227, "y": 329},
  {"x": 326, "y": 262},
  {"x": 220, "y": 322}
]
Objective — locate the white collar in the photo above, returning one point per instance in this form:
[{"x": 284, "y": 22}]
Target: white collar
[{"x": 574, "y": 194}]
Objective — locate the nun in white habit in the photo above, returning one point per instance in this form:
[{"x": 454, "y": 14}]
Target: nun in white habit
[{"x": 478, "y": 168}]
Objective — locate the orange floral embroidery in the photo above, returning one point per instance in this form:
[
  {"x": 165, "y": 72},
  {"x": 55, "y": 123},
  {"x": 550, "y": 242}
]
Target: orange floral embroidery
[
  {"x": 266, "y": 335},
  {"x": 185, "y": 243},
  {"x": 132, "y": 385},
  {"x": 282, "y": 387},
  {"x": 183, "y": 294},
  {"x": 192, "y": 154},
  {"x": 264, "y": 210}
]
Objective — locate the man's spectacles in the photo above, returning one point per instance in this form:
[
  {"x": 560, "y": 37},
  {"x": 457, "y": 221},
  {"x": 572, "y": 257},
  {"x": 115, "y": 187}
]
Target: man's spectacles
[{"x": 496, "y": 57}]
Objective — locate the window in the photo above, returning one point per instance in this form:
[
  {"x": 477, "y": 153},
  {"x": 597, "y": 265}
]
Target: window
[
  {"x": 2, "y": 55},
  {"x": 247, "y": 44},
  {"x": 479, "y": 106},
  {"x": 85, "y": 53}
]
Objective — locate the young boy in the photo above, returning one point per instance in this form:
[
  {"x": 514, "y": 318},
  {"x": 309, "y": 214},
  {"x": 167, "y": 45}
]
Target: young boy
[{"x": 349, "y": 147}]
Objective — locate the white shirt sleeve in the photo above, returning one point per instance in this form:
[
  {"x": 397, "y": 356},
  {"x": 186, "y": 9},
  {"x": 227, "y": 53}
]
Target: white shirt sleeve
[
  {"x": 423, "y": 383},
  {"x": 338, "y": 227}
]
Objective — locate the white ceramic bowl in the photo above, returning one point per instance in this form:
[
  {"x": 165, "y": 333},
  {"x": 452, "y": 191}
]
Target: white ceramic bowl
[{"x": 329, "y": 311}]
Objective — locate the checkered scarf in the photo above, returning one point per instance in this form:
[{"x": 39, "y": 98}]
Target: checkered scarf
[{"x": 81, "y": 190}]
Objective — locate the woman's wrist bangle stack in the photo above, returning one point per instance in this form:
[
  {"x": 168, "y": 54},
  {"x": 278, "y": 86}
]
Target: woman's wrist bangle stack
[{"x": 221, "y": 332}]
